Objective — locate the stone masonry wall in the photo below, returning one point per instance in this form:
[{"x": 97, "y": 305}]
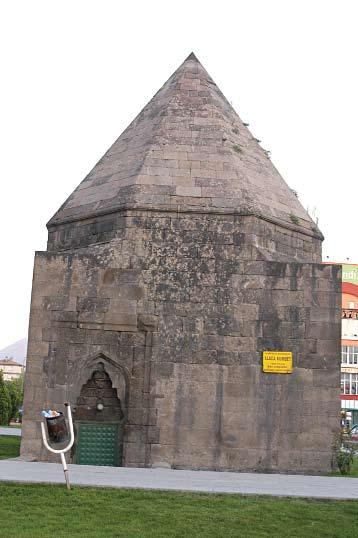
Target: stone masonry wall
[
  {"x": 179, "y": 308},
  {"x": 245, "y": 237}
]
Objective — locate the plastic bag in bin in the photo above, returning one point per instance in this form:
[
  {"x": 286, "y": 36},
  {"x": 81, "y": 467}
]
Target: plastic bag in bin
[{"x": 56, "y": 426}]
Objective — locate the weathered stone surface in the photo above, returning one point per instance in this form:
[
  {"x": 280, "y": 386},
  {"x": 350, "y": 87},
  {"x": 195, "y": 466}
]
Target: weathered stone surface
[{"x": 177, "y": 302}]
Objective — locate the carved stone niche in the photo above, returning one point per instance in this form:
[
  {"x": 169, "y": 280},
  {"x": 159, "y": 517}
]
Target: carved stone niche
[
  {"x": 95, "y": 368},
  {"x": 98, "y": 400}
]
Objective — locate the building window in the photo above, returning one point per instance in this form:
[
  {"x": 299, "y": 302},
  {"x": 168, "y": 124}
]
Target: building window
[
  {"x": 349, "y": 355},
  {"x": 349, "y": 384},
  {"x": 354, "y": 381}
]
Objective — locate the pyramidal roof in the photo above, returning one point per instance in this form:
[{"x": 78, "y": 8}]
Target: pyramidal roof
[{"x": 187, "y": 150}]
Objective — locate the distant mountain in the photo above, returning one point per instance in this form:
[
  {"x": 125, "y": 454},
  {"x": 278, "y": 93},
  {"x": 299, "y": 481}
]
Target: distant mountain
[{"x": 16, "y": 351}]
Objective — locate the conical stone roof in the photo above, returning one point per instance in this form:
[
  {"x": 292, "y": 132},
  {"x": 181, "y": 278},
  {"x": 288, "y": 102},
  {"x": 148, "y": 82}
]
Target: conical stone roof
[{"x": 187, "y": 150}]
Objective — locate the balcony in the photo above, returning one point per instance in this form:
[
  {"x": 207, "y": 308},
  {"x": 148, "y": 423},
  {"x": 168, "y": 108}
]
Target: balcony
[
  {"x": 349, "y": 324},
  {"x": 349, "y": 313}
]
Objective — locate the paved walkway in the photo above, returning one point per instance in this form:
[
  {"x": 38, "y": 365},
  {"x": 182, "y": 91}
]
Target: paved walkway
[
  {"x": 10, "y": 431},
  {"x": 166, "y": 479}
]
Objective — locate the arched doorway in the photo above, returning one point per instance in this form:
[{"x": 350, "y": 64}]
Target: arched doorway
[{"x": 99, "y": 421}]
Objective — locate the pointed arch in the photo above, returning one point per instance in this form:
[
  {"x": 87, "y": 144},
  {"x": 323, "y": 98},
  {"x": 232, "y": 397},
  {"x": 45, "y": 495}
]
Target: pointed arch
[{"x": 118, "y": 373}]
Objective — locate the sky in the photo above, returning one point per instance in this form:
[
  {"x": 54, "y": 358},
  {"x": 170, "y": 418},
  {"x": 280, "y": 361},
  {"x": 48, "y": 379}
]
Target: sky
[{"x": 75, "y": 73}]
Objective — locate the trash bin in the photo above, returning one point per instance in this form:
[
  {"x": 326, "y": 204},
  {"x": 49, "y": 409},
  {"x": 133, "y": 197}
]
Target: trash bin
[{"x": 57, "y": 428}]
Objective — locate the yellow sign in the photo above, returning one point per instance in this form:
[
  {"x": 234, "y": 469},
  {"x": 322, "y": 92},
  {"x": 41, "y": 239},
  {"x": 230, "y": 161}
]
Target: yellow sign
[
  {"x": 349, "y": 369},
  {"x": 277, "y": 362}
]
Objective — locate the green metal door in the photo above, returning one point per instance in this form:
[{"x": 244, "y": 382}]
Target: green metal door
[{"x": 97, "y": 444}]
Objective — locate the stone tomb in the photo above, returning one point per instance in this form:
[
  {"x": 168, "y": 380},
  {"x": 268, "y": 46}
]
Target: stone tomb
[{"x": 178, "y": 260}]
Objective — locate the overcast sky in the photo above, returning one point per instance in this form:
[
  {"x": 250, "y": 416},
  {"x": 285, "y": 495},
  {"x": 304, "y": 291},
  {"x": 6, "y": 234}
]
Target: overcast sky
[{"x": 75, "y": 73}]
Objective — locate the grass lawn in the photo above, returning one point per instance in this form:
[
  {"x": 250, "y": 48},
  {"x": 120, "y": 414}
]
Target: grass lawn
[
  {"x": 9, "y": 448},
  {"x": 44, "y": 511},
  {"x": 354, "y": 468},
  {"x": 39, "y": 511}
]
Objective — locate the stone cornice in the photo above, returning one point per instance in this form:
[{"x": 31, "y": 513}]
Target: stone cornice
[{"x": 189, "y": 210}]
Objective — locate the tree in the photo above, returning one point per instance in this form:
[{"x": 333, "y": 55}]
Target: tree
[
  {"x": 5, "y": 402},
  {"x": 15, "y": 389}
]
